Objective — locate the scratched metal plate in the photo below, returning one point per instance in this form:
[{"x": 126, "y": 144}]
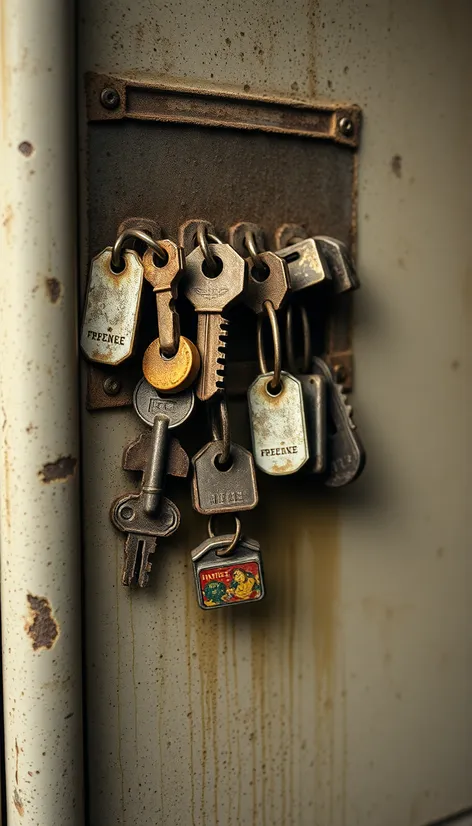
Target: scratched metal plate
[{"x": 173, "y": 155}]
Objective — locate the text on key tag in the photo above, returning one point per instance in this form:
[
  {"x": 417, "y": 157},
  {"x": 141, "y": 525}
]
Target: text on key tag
[
  {"x": 227, "y": 580},
  {"x": 216, "y": 490},
  {"x": 278, "y": 426},
  {"x": 111, "y": 308}
]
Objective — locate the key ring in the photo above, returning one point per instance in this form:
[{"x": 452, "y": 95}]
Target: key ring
[
  {"x": 275, "y": 380},
  {"x": 220, "y": 430},
  {"x": 250, "y": 244},
  {"x": 307, "y": 354},
  {"x": 141, "y": 236},
  {"x": 236, "y": 537},
  {"x": 203, "y": 236}
]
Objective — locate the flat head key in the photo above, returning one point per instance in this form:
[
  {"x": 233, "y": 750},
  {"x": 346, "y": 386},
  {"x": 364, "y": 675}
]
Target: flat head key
[
  {"x": 211, "y": 293},
  {"x": 127, "y": 514},
  {"x": 268, "y": 280}
]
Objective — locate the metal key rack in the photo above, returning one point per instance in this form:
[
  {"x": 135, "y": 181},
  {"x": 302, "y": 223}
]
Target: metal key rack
[{"x": 174, "y": 156}]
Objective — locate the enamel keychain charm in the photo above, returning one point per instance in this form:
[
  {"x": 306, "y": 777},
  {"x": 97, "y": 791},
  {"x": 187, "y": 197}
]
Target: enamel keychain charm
[{"x": 227, "y": 570}]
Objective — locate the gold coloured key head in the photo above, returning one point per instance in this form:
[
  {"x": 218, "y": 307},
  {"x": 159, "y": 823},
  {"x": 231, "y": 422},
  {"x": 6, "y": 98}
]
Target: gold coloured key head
[{"x": 170, "y": 375}]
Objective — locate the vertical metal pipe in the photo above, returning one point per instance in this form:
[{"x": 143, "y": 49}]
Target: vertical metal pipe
[{"x": 40, "y": 543}]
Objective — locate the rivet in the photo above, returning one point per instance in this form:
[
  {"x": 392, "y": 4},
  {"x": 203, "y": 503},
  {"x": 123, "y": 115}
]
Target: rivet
[
  {"x": 112, "y": 386},
  {"x": 109, "y": 98},
  {"x": 346, "y": 127}
]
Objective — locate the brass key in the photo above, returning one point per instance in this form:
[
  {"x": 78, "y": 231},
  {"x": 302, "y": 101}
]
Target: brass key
[
  {"x": 171, "y": 362},
  {"x": 212, "y": 292}
]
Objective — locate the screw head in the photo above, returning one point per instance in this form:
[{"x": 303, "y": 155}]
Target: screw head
[
  {"x": 112, "y": 386},
  {"x": 109, "y": 98},
  {"x": 127, "y": 513},
  {"x": 346, "y": 127}
]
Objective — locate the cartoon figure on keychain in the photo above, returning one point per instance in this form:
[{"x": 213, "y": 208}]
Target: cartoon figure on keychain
[{"x": 227, "y": 569}]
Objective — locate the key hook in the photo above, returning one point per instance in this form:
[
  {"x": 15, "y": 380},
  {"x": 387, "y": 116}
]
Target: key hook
[
  {"x": 236, "y": 537},
  {"x": 202, "y": 238},
  {"x": 250, "y": 244},
  {"x": 134, "y": 233},
  {"x": 307, "y": 354},
  {"x": 275, "y": 380},
  {"x": 220, "y": 429}
]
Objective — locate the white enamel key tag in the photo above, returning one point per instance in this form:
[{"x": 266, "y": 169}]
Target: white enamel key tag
[
  {"x": 276, "y": 412},
  {"x": 112, "y": 308}
]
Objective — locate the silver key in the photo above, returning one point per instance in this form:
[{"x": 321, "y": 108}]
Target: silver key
[
  {"x": 127, "y": 514},
  {"x": 278, "y": 428},
  {"x": 306, "y": 264},
  {"x": 211, "y": 296},
  {"x": 339, "y": 263}
]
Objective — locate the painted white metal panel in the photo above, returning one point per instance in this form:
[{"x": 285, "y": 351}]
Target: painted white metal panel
[
  {"x": 344, "y": 698},
  {"x": 40, "y": 548}
]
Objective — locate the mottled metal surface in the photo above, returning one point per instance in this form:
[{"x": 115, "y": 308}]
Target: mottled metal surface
[{"x": 343, "y": 697}]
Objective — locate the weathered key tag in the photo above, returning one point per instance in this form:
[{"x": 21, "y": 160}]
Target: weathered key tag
[
  {"x": 111, "y": 308},
  {"x": 228, "y": 571},
  {"x": 278, "y": 427}
]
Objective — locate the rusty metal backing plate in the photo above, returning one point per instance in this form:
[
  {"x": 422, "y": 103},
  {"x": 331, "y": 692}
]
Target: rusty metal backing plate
[{"x": 175, "y": 154}]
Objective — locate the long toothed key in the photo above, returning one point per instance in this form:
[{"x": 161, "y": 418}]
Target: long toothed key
[{"x": 212, "y": 291}]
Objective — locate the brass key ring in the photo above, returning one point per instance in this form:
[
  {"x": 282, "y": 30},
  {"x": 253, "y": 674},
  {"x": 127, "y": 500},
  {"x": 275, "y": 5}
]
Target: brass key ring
[
  {"x": 250, "y": 244},
  {"x": 140, "y": 235},
  {"x": 307, "y": 354},
  {"x": 275, "y": 380},
  {"x": 220, "y": 430},
  {"x": 237, "y": 536},
  {"x": 202, "y": 237}
]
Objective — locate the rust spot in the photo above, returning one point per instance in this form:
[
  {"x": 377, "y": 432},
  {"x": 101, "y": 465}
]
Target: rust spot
[
  {"x": 17, "y": 760},
  {"x": 18, "y": 803},
  {"x": 53, "y": 288},
  {"x": 7, "y": 216},
  {"x": 396, "y": 164},
  {"x": 42, "y": 628},
  {"x": 455, "y": 364},
  {"x": 26, "y": 148},
  {"x": 58, "y": 471}
]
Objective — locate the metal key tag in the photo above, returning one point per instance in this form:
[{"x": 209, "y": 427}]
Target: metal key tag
[
  {"x": 227, "y": 580},
  {"x": 111, "y": 308},
  {"x": 306, "y": 264},
  {"x": 315, "y": 400},
  {"x": 278, "y": 427},
  {"x": 223, "y": 490}
]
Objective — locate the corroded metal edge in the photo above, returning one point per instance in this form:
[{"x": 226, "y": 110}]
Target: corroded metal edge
[{"x": 146, "y": 100}]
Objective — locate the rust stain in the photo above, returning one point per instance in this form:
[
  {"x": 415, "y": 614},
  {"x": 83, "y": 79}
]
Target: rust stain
[
  {"x": 396, "y": 164},
  {"x": 26, "y": 148},
  {"x": 42, "y": 628},
  {"x": 53, "y": 289},
  {"x": 313, "y": 20},
  {"x": 17, "y": 760},
  {"x": 188, "y": 643},
  {"x": 18, "y": 803},
  {"x": 58, "y": 471}
]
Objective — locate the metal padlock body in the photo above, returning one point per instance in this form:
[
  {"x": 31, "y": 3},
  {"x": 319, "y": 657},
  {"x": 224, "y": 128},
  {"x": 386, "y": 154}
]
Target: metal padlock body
[
  {"x": 346, "y": 454},
  {"x": 223, "y": 491},
  {"x": 278, "y": 427},
  {"x": 305, "y": 263},
  {"x": 127, "y": 513},
  {"x": 111, "y": 310},
  {"x": 231, "y": 580},
  {"x": 339, "y": 263},
  {"x": 149, "y": 402}
]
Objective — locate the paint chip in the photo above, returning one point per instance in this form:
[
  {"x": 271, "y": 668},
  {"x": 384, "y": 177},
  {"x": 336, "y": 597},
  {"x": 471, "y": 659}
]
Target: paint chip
[
  {"x": 42, "y": 628},
  {"x": 26, "y": 148},
  {"x": 53, "y": 288},
  {"x": 396, "y": 164},
  {"x": 58, "y": 471},
  {"x": 18, "y": 803}
]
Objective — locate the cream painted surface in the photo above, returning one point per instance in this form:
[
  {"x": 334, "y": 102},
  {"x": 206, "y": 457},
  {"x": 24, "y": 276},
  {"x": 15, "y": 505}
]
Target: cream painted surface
[{"x": 345, "y": 697}]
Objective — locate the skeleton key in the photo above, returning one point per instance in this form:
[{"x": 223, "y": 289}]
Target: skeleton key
[
  {"x": 339, "y": 263},
  {"x": 162, "y": 414},
  {"x": 127, "y": 514},
  {"x": 346, "y": 452},
  {"x": 232, "y": 579},
  {"x": 211, "y": 293},
  {"x": 111, "y": 308}
]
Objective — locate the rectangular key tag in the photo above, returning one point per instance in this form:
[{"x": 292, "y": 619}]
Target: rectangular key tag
[
  {"x": 111, "y": 308},
  {"x": 278, "y": 428},
  {"x": 230, "y": 580}
]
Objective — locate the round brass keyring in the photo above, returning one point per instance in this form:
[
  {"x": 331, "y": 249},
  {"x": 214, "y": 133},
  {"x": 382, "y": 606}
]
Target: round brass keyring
[
  {"x": 170, "y": 375},
  {"x": 275, "y": 380}
]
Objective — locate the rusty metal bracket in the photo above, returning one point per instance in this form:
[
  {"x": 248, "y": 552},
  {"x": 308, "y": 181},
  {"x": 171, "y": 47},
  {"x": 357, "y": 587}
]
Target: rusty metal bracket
[{"x": 169, "y": 153}]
